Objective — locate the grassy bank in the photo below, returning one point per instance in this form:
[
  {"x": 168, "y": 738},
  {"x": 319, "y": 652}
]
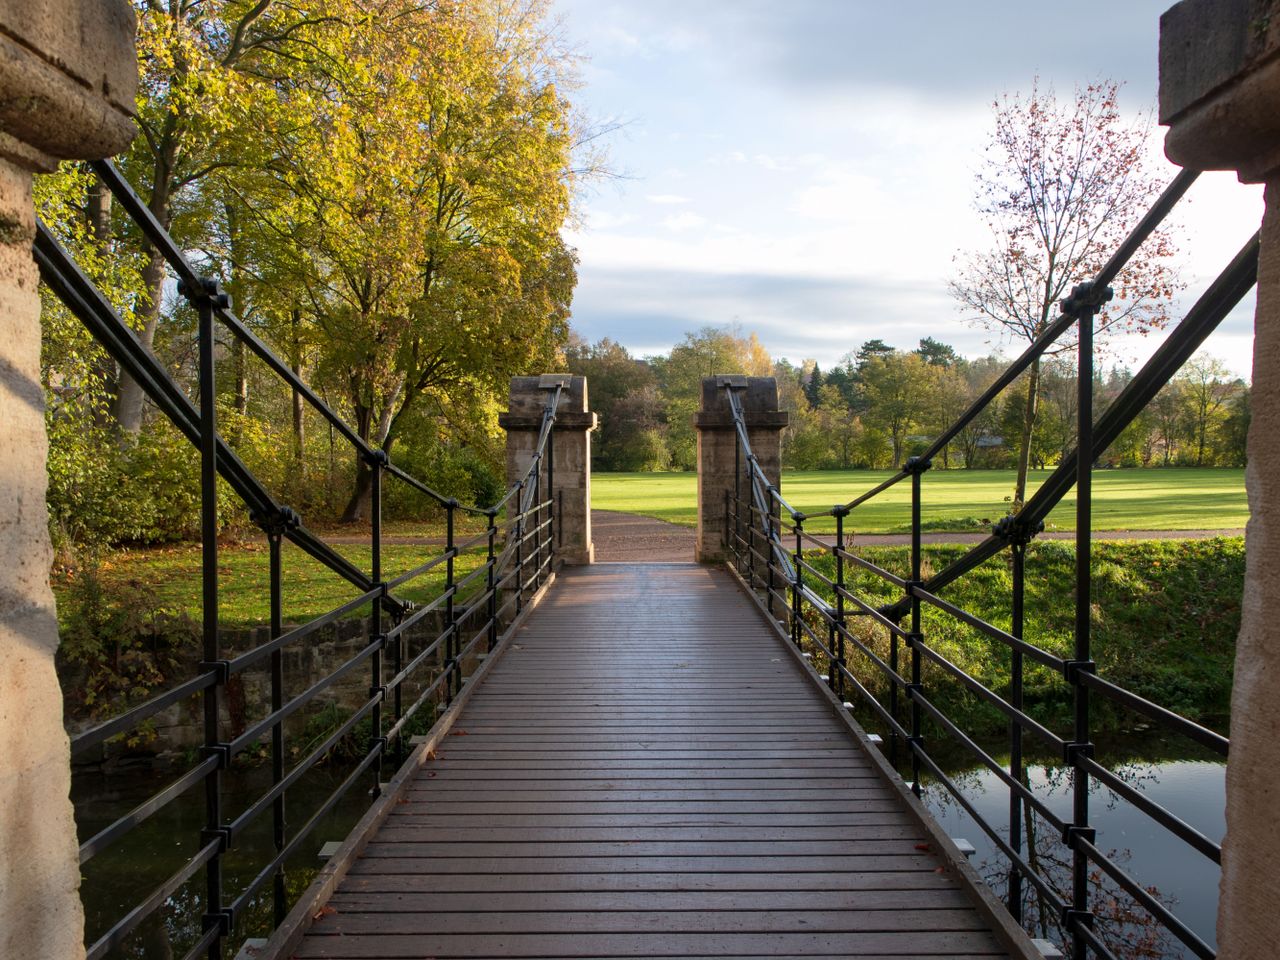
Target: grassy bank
[
  {"x": 1149, "y": 499},
  {"x": 1165, "y": 619}
]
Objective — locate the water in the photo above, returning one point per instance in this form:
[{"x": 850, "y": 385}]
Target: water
[
  {"x": 1190, "y": 785},
  {"x": 122, "y": 876},
  {"x": 1187, "y": 882}
]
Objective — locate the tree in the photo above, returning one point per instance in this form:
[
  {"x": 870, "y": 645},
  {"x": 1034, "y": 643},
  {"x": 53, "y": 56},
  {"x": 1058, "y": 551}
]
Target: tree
[
  {"x": 1206, "y": 386},
  {"x": 936, "y": 353},
  {"x": 1061, "y": 185},
  {"x": 899, "y": 393},
  {"x": 426, "y": 198}
]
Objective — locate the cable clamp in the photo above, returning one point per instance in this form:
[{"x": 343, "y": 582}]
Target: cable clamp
[
  {"x": 1086, "y": 297},
  {"x": 220, "y": 750},
  {"x": 916, "y": 465},
  {"x": 206, "y": 292},
  {"x": 1015, "y": 530}
]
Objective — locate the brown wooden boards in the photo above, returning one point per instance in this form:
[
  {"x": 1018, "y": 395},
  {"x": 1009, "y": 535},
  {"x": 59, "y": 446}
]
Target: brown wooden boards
[{"x": 646, "y": 773}]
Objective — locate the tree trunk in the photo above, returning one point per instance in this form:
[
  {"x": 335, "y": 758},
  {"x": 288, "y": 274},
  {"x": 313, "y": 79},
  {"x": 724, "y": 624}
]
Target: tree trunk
[
  {"x": 1028, "y": 429},
  {"x": 98, "y": 215},
  {"x": 295, "y": 364},
  {"x": 129, "y": 399}
]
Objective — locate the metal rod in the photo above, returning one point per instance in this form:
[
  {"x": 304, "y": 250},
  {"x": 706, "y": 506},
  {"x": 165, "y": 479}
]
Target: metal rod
[
  {"x": 280, "y": 897},
  {"x": 450, "y": 622},
  {"x": 376, "y": 742},
  {"x": 916, "y": 566},
  {"x": 1084, "y": 520},
  {"x": 1014, "y": 900},
  {"x": 209, "y": 601}
]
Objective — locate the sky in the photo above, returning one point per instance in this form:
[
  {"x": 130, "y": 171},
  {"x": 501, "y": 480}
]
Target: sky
[{"x": 805, "y": 170}]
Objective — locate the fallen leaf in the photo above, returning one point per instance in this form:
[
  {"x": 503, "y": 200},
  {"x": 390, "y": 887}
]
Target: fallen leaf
[{"x": 923, "y": 846}]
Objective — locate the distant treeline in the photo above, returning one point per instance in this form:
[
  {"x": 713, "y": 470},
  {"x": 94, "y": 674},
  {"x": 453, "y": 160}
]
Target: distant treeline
[{"x": 882, "y": 404}]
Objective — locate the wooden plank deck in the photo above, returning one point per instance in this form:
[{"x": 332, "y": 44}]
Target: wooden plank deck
[{"x": 647, "y": 772}]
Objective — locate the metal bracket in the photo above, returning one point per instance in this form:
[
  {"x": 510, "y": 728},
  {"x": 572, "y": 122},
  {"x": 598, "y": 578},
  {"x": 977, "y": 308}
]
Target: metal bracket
[
  {"x": 1086, "y": 297},
  {"x": 1071, "y": 669},
  {"x": 1071, "y": 831},
  {"x": 224, "y": 920},
  {"x": 220, "y": 750},
  {"x": 221, "y": 669},
  {"x": 916, "y": 465},
  {"x": 1070, "y": 751},
  {"x": 221, "y": 834},
  {"x": 1014, "y": 530},
  {"x": 1082, "y": 917},
  {"x": 207, "y": 291}
]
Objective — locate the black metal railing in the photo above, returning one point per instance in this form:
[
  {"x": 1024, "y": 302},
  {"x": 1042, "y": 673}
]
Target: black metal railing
[
  {"x": 774, "y": 554},
  {"x": 470, "y": 613}
]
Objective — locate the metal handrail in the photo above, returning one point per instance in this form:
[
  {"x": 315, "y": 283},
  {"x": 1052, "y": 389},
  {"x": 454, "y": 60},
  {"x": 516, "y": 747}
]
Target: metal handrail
[
  {"x": 518, "y": 558},
  {"x": 760, "y": 513}
]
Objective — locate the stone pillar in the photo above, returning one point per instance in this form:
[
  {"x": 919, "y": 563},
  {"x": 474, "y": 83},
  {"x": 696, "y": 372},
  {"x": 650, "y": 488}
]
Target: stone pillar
[
  {"x": 68, "y": 75},
  {"x": 1220, "y": 97},
  {"x": 572, "y": 442},
  {"x": 717, "y": 444}
]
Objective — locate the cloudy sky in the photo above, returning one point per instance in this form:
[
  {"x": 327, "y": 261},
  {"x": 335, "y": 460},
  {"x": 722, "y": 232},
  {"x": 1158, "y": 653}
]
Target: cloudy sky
[{"x": 805, "y": 170}]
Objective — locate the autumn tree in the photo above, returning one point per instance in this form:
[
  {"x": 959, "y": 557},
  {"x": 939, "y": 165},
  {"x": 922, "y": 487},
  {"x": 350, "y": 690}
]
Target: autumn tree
[
  {"x": 426, "y": 197},
  {"x": 1206, "y": 386},
  {"x": 1061, "y": 184}
]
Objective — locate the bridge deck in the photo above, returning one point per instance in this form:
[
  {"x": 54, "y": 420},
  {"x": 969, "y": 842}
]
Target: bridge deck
[{"x": 647, "y": 772}]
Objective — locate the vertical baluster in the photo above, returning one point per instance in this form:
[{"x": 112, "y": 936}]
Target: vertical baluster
[
  {"x": 280, "y": 895},
  {"x": 1019, "y": 550},
  {"x": 537, "y": 521},
  {"x": 519, "y": 535},
  {"x": 837, "y": 673},
  {"x": 917, "y": 468},
  {"x": 205, "y": 298},
  {"x": 451, "y": 645},
  {"x": 490, "y": 579},
  {"x": 1081, "y": 303},
  {"x": 551, "y": 495},
  {"x": 797, "y": 582},
  {"x": 377, "y": 744}
]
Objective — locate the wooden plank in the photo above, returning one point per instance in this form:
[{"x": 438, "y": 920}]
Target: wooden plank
[
  {"x": 452, "y": 901},
  {"x": 647, "y": 773},
  {"x": 349, "y": 923},
  {"x": 567, "y": 945}
]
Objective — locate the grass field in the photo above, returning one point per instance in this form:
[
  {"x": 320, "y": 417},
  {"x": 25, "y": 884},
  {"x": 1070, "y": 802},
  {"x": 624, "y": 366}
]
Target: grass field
[
  {"x": 1151, "y": 499},
  {"x": 170, "y": 578}
]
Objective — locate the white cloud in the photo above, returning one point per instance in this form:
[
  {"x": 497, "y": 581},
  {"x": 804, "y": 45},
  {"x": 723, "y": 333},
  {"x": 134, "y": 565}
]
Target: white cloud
[
  {"x": 666, "y": 199},
  {"x": 681, "y": 222}
]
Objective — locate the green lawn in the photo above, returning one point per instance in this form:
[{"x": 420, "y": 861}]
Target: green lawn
[
  {"x": 170, "y": 576},
  {"x": 1150, "y": 499}
]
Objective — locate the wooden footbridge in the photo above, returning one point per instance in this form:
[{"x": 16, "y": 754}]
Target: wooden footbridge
[
  {"x": 640, "y": 760},
  {"x": 648, "y": 769}
]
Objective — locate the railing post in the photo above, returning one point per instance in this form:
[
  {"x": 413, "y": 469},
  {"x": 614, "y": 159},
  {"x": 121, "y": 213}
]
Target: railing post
[
  {"x": 1014, "y": 899},
  {"x": 452, "y": 646},
  {"x": 490, "y": 580},
  {"x": 1083, "y": 305},
  {"x": 840, "y": 511},
  {"x": 280, "y": 896},
  {"x": 377, "y": 743},
  {"x": 519, "y": 535},
  {"x": 205, "y": 299},
  {"x": 797, "y": 584},
  {"x": 916, "y": 467}
]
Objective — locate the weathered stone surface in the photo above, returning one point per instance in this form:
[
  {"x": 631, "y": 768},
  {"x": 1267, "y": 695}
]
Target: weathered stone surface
[
  {"x": 572, "y": 454},
  {"x": 40, "y": 913},
  {"x": 718, "y": 464},
  {"x": 68, "y": 77},
  {"x": 1247, "y": 925},
  {"x": 1220, "y": 85}
]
